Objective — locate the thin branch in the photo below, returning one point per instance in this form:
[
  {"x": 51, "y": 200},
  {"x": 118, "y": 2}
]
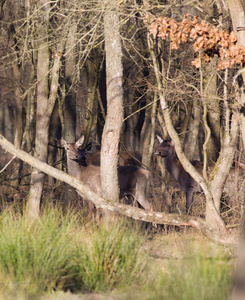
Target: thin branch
[{"x": 5, "y": 167}]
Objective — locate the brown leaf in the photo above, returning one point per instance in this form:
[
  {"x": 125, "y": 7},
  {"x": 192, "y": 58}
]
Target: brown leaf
[
  {"x": 193, "y": 34},
  {"x": 153, "y": 29},
  {"x": 196, "y": 63},
  {"x": 232, "y": 37}
]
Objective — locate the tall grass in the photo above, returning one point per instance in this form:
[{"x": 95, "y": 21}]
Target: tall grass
[
  {"x": 109, "y": 258},
  {"x": 57, "y": 252},
  {"x": 34, "y": 257}
]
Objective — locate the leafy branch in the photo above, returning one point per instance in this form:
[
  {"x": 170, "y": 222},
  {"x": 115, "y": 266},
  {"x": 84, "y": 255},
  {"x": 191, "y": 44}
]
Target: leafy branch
[{"x": 207, "y": 39}]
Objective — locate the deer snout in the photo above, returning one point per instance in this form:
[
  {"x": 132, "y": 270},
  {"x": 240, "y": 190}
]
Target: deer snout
[
  {"x": 156, "y": 152},
  {"x": 76, "y": 158},
  {"x": 161, "y": 152}
]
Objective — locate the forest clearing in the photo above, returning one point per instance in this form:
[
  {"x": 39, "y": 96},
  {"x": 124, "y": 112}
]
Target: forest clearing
[{"x": 122, "y": 139}]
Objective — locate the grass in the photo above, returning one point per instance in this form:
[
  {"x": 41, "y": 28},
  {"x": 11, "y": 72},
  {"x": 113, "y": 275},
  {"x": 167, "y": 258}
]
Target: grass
[
  {"x": 34, "y": 257},
  {"x": 196, "y": 277},
  {"x": 188, "y": 267},
  {"x": 109, "y": 259},
  {"x": 60, "y": 253},
  {"x": 57, "y": 252}
]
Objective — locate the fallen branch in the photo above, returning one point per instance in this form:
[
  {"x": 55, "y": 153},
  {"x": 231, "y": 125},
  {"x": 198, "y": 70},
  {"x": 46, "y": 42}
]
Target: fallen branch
[{"x": 126, "y": 210}]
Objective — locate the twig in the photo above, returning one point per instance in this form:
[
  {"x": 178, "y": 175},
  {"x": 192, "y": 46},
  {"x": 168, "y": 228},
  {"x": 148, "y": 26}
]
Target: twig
[
  {"x": 178, "y": 209},
  {"x": 5, "y": 167}
]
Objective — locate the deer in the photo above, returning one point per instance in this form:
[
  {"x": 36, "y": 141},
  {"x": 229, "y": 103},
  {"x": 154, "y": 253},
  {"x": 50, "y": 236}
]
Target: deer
[
  {"x": 129, "y": 158},
  {"x": 125, "y": 158},
  {"x": 166, "y": 151},
  {"x": 132, "y": 179}
]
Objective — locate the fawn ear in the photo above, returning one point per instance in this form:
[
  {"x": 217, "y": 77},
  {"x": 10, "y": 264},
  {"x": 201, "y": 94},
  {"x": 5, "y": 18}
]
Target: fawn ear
[
  {"x": 63, "y": 142},
  {"x": 80, "y": 141},
  {"x": 159, "y": 139}
]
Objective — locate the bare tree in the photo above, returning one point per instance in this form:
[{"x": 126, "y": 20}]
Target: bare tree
[
  {"x": 214, "y": 186},
  {"x": 45, "y": 103},
  {"x": 237, "y": 11},
  {"x": 114, "y": 117}
]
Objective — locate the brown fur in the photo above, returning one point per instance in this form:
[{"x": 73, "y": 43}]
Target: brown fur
[
  {"x": 166, "y": 151},
  {"x": 132, "y": 179}
]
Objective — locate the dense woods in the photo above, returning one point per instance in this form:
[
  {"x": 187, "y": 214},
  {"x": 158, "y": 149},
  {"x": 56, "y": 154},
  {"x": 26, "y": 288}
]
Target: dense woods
[{"x": 120, "y": 72}]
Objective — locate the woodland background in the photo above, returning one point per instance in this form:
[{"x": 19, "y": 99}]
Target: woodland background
[{"x": 69, "y": 68}]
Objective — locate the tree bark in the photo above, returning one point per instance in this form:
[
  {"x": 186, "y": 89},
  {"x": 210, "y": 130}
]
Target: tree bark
[
  {"x": 149, "y": 137},
  {"x": 42, "y": 118},
  {"x": 45, "y": 105},
  {"x": 194, "y": 130},
  {"x": 213, "y": 113},
  {"x": 238, "y": 21},
  {"x": 18, "y": 108},
  {"x": 69, "y": 101},
  {"x": 70, "y": 97},
  {"x": 88, "y": 103},
  {"x": 237, "y": 13},
  {"x": 114, "y": 118}
]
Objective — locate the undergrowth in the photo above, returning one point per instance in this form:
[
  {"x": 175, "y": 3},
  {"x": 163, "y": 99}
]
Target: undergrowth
[{"x": 59, "y": 252}]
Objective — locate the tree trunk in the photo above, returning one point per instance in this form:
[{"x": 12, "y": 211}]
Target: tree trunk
[
  {"x": 30, "y": 111},
  {"x": 45, "y": 105},
  {"x": 18, "y": 108},
  {"x": 114, "y": 118},
  {"x": 193, "y": 137},
  {"x": 70, "y": 97},
  {"x": 237, "y": 13},
  {"x": 42, "y": 119},
  {"x": 213, "y": 117},
  {"x": 149, "y": 137},
  {"x": 88, "y": 104},
  {"x": 69, "y": 101},
  {"x": 18, "y": 134}
]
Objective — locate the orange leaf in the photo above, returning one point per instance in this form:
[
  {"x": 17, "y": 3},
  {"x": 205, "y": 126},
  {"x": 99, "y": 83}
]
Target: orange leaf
[
  {"x": 232, "y": 37},
  {"x": 196, "y": 63}
]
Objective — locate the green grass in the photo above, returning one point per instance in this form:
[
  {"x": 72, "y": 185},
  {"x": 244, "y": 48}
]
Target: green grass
[
  {"x": 34, "y": 257},
  {"x": 200, "y": 271},
  {"x": 193, "y": 278},
  {"x": 109, "y": 258},
  {"x": 60, "y": 252}
]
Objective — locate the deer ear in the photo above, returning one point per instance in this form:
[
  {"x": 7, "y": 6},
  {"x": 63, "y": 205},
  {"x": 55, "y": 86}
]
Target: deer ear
[
  {"x": 63, "y": 142},
  {"x": 159, "y": 139},
  {"x": 171, "y": 143},
  {"x": 80, "y": 141}
]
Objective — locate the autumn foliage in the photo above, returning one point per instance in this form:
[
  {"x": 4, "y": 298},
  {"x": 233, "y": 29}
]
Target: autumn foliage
[{"x": 207, "y": 39}]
